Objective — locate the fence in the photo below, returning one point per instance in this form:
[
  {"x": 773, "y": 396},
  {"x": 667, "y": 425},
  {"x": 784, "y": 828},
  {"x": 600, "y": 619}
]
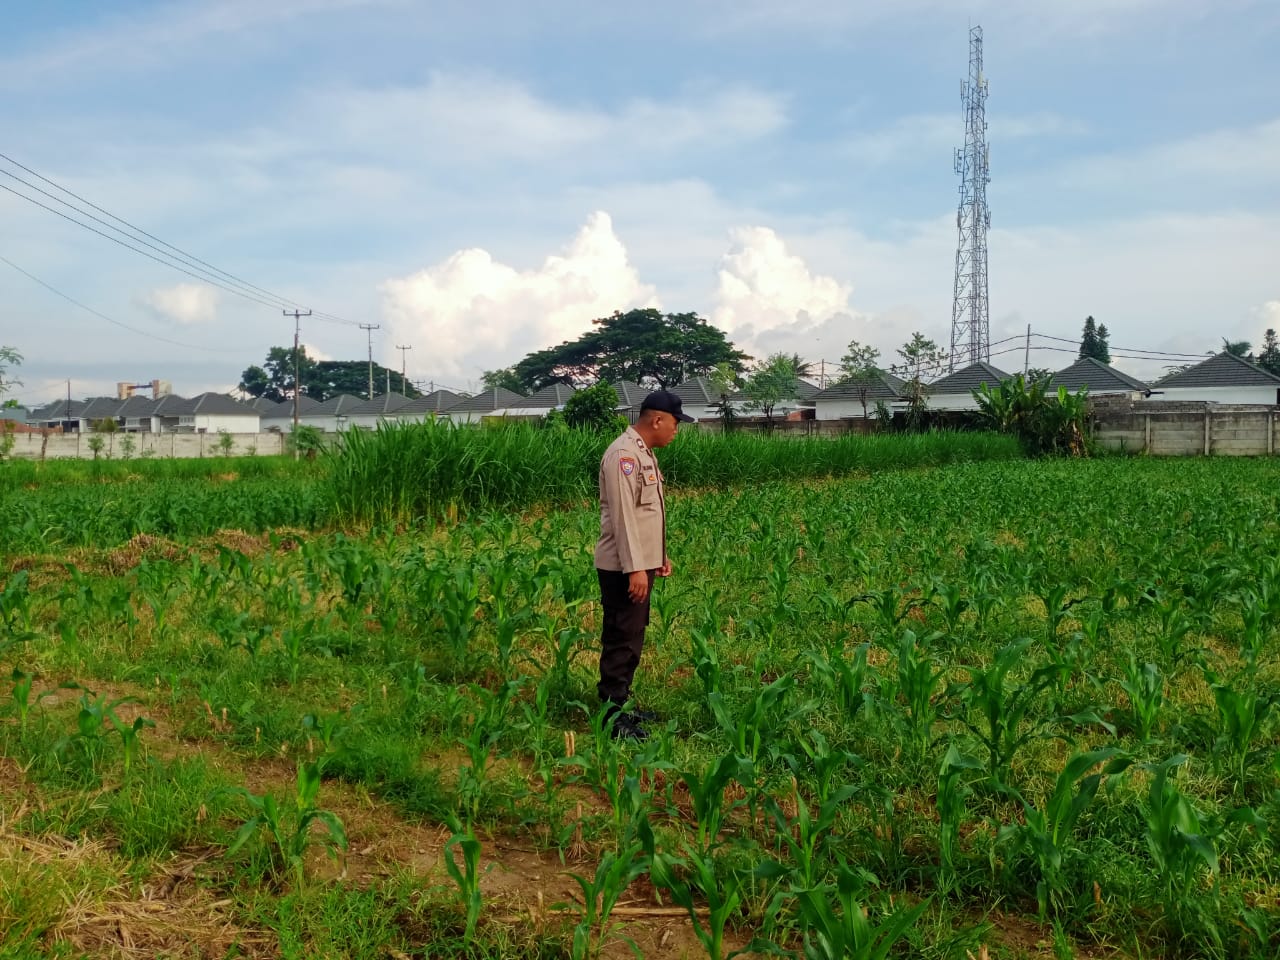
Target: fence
[
  {"x": 118, "y": 446},
  {"x": 1185, "y": 428}
]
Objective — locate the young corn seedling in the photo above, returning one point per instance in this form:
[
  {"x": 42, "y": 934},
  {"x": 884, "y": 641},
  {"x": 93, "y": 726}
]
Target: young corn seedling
[
  {"x": 707, "y": 796},
  {"x": 600, "y": 893},
  {"x": 835, "y": 926},
  {"x": 487, "y": 727},
  {"x": 843, "y": 678},
  {"x": 1144, "y": 686},
  {"x": 1182, "y": 847},
  {"x": 1243, "y": 714},
  {"x": 1006, "y": 717},
  {"x": 953, "y": 791},
  {"x": 807, "y": 836},
  {"x": 1046, "y": 833},
  {"x": 918, "y": 680},
  {"x": 706, "y": 661},
  {"x": 288, "y": 830},
  {"x": 466, "y": 875},
  {"x": 683, "y": 879}
]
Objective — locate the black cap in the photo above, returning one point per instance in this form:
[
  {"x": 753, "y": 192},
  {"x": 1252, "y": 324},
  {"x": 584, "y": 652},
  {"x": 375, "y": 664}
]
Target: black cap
[{"x": 667, "y": 402}]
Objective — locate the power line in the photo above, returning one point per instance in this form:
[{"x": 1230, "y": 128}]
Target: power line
[
  {"x": 102, "y": 316},
  {"x": 186, "y": 262}
]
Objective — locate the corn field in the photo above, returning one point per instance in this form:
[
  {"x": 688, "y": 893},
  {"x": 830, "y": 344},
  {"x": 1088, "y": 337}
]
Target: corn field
[{"x": 909, "y": 708}]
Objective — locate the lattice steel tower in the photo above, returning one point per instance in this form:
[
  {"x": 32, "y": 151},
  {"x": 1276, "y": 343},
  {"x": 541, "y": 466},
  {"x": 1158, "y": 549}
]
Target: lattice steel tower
[{"x": 970, "y": 320}]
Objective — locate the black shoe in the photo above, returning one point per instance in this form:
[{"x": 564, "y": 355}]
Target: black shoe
[{"x": 626, "y": 726}]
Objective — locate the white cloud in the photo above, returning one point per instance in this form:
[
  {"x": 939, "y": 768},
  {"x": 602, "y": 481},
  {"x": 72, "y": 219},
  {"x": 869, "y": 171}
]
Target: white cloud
[
  {"x": 185, "y": 304},
  {"x": 1268, "y": 316},
  {"x": 478, "y": 117},
  {"x": 470, "y": 312}
]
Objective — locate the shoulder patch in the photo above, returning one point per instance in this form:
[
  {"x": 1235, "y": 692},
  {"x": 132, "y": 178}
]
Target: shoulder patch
[{"x": 627, "y": 465}]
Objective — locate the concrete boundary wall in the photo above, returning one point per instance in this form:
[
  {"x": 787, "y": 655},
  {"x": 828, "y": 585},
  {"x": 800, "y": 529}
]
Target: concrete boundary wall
[
  {"x": 1184, "y": 428},
  {"x": 33, "y": 446}
]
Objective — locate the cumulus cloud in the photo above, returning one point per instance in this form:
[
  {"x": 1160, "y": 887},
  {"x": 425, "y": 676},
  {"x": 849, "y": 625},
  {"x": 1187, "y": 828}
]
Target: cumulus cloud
[
  {"x": 472, "y": 313},
  {"x": 185, "y": 304},
  {"x": 769, "y": 300}
]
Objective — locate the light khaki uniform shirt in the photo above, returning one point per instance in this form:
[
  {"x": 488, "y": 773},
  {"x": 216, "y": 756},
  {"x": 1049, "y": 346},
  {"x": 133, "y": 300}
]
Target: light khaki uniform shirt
[{"x": 633, "y": 513}]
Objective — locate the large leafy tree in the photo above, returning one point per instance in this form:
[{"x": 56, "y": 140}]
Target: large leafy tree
[
  {"x": 1269, "y": 358},
  {"x": 859, "y": 366},
  {"x": 774, "y": 380},
  {"x": 320, "y": 379},
  {"x": 646, "y": 346},
  {"x": 920, "y": 358}
]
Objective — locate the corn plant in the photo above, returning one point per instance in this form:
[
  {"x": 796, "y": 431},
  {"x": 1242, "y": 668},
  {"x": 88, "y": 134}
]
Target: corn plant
[
  {"x": 1045, "y": 834},
  {"x": 15, "y": 609},
  {"x": 458, "y": 603},
  {"x": 686, "y": 877},
  {"x": 288, "y": 828},
  {"x": 918, "y": 679},
  {"x": 466, "y": 875},
  {"x": 807, "y": 836},
  {"x": 834, "y": 925},
  {"x": 486, "y": 728},
  {"x": 1144, "y": 686},
  {"x": 1181, "y": 844},
  {"x": 600, "y": 893},
  {"x": 843, "y": 678},
  {"x": 707, "y": 796},
  {"x": 1005, "y": 717},
  {"x": 706, "y": 661},
  {"x": 1243, "y": 713},
  {"x": 953, "y": 791}
]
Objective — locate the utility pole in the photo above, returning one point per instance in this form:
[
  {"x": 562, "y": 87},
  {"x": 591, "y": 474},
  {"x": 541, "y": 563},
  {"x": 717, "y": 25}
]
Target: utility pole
[
  {"x": 404, "y": 384},
  {"x": 1026, "y": 354},
  {"x": 297, "y": 326},
  {"x": 370, "y": 327}
]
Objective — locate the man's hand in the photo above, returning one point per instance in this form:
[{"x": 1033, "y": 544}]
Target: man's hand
[
  {"x": 665, "y": 569},
  {"x": 638, "y": 585}
]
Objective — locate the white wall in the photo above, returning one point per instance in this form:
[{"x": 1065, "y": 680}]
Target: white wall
[
  {"x": 231, "y": 423},
  {"x": 28, "y": 446},
  {"x": 840, "y": 409},
  {"x": 1259, "y": 394}
]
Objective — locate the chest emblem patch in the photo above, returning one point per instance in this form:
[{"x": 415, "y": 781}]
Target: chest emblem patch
[{"x": 628, "y": 466}]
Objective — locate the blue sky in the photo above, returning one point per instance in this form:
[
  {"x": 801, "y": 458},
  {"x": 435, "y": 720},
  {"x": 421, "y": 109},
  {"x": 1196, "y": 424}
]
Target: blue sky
[{"x": 482, "y": 179}]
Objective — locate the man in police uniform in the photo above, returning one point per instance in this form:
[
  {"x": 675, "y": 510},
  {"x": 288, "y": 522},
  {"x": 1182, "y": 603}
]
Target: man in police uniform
[{"x": 632, "y": 550}]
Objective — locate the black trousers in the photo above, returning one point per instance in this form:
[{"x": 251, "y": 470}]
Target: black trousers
[{"x": 621, "y": 635}]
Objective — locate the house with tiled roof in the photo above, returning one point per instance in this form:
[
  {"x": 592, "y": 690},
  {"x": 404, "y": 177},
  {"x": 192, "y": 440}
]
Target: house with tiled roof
[
  {"x": 331, "y": 415},
  {"x": 58, "y": 413},
  {"x": 699, "y": 398},
  {"x": 279, "y": 417},
  {"x": 630, "y": 396},
  {"x": 206, "y": 413},
  {"x": 430, "y": 406},
  {"x": 845, "y": 399},
  {"x": 370, "y": 413},
  {"x": 97, "y": 410},
  {"x": 551, "y": 397},
  {"x": 1224, "y": 378},
  {"x": 1098, "y": 378},
  {"x": 494, "y": 402},
  {"x": 955, "y": 390}
]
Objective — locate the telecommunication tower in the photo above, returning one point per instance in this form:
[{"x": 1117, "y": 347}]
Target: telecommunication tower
[{"x": 970, "y": 318}]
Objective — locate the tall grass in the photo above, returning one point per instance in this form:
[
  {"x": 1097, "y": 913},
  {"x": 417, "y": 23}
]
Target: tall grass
[{"x": 406, "y": 473}]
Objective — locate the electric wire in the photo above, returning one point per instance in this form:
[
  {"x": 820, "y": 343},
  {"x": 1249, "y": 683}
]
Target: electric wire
[
  {"x": 124, "y": 326},
  {"x": 190, "y": 261}
]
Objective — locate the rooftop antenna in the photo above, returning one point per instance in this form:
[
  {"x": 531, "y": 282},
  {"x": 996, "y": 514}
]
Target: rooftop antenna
[{"x": 970, "y": 314}]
